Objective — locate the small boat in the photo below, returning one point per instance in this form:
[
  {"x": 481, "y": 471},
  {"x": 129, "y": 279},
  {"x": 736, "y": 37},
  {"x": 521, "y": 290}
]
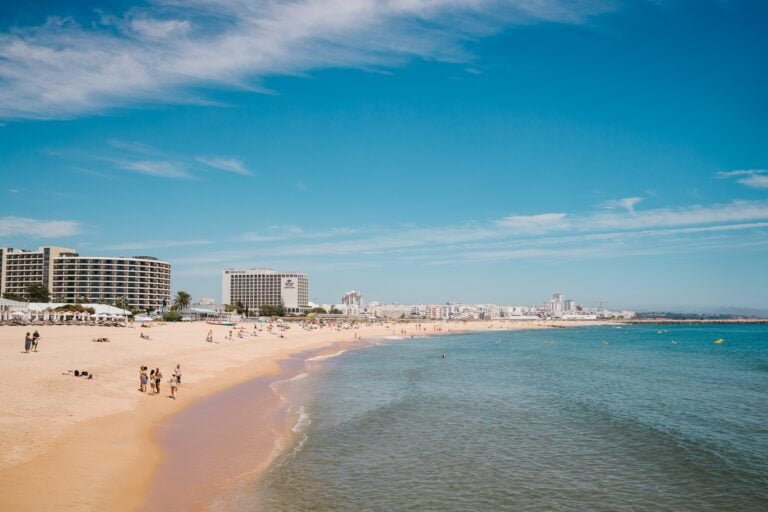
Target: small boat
[
  {"x": 225, "y": 324},
  {"x": 719, "y": 341}
]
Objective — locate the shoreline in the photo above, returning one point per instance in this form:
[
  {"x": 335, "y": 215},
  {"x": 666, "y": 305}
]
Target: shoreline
[
  {"x": 243, "y": 429},
  {"x": 90, "y": 444}
]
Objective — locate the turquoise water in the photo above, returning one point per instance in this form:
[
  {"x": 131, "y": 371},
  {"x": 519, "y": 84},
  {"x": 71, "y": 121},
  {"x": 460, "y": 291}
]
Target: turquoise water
[{"x": 603, "y": 418}]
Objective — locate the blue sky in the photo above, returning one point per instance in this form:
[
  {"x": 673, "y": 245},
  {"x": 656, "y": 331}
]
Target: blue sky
[{"x": 417, "y": 150}]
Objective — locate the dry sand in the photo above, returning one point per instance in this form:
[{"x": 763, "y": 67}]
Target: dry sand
[{"x": 69, "y": 443}]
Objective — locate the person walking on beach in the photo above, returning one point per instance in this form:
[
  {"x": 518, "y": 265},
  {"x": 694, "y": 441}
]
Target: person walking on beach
[
  {"x": 174, "y": 383},
  {"x": 177, "y": 375},
  {"x": 209, "y": 337},
  {"x": 35, "y": 339},
  {"x": 27, "y": 343},
  {"x": 152, "y": 381},
  {"x": 158, "y": 378}
]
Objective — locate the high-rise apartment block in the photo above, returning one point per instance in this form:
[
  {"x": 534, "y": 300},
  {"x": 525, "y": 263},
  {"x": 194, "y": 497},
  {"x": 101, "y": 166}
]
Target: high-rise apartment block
[
  {"x": 144, "y": 281},
  {"x": 265, "y": 287},
  {"x": 352, "y": 298}
]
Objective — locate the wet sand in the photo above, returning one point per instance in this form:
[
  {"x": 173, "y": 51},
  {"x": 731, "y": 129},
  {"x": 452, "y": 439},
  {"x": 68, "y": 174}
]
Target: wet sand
[{"x": 223, "y": 439}]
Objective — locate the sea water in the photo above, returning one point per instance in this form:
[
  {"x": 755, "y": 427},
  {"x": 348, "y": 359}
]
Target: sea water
[{"x": 637, "y": 418}]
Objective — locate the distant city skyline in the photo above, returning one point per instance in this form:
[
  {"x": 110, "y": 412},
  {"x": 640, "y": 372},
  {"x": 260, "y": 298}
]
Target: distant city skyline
[{"x": 420, "y": 152}]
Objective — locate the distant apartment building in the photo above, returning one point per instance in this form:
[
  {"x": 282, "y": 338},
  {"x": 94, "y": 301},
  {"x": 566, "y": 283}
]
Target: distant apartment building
[
  {"x": 352, "y": 298},
  {"x": 265, "y": 287},
  {"x": 144, "y": 281}
]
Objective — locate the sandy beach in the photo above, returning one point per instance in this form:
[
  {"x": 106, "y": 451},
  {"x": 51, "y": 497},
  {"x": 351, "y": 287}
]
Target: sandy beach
[{"x": 80, "y": 444}]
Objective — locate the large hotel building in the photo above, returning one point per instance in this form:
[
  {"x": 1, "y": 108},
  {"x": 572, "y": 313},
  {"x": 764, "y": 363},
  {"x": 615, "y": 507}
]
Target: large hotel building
[
  {"x": 264, "y": 287},
  {"x": 143, "y": 280}
]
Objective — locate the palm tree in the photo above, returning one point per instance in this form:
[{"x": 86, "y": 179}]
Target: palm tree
[
  {"x": 182, "y": 300},
  {"x": 122, "y": 303}
]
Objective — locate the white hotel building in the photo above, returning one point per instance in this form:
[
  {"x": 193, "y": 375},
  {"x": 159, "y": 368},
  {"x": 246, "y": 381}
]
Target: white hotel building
[
  {"x": 264, "y": 287},
  {"x": 143, "y": 280}
]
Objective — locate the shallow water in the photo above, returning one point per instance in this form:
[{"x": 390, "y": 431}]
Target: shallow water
[{"x": 623, "y": 419}]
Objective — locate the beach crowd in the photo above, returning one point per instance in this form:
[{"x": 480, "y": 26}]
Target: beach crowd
[{"x": 155, "y": 377}]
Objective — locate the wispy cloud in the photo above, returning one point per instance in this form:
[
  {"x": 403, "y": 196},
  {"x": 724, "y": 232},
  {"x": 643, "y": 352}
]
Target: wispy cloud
[
  {"x": 141, "y": 158},
  {"x": 34, "y": 228},
  {"x": 540, "y": 223},
  {"x": 155, "y": 244},
  {"x": 626, "y": 203},
  {"x": 227, "y": 164},
  {"x": 162, "y": 51},
  {"x": 554, "y": 235},
  {"x": 753, "y": 178},
  {"x": 736, "y": 211},
  {"x": 279, "y": 233},
  {"x": 755, "y": 181},
  {"x": 157, "y": 168}
]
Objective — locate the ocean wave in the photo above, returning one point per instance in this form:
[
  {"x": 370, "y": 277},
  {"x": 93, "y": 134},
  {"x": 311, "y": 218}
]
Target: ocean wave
[
  {"x": 303, "y": 421},
  {"x": 296, "y": 377},
  {"x": 278, "y": 383},
  {"x": 323, "y": 358}
]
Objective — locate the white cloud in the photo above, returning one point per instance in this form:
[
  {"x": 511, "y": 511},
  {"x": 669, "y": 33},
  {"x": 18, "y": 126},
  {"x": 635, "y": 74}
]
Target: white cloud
[
  {"x": 533, "y": 224},
  {"x": 155, "y": 244},
  {"x": 754, "y": 178},
  {"x": 225, "y": 164},
  {"x": 33, "y": 228},
  {"x": 160, "y": 29},
  {"x": 755, "y": 181},
  {"x": 519, "y": 235},
  {"x": 627, "y": 203},
  {"x": 157, "y": 168},
  {"x": 162, "y": 51},
  {"x": 280, "y": 233},
  {"x": 731, "y": 174}
]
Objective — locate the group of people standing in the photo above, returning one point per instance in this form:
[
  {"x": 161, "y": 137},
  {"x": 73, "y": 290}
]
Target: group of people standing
[
  {"x": 155, "y": 377},
  {"x": 31, "y": 341}
]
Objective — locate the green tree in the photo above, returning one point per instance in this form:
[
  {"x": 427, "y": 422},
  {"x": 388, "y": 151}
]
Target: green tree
[
  {"x": 14, "y": 296},
  {"x": 172, "y": 316},
  {"x": 37, "y": 292},
  {"x": 335, "y": 311},
  {"x": 268, "y": 310},
  {"x": 320, "y": 311},
  {"x": 182, "y": 300},
  {"x": 240, "y": 308},
  {"x": 122, "y": 303}
]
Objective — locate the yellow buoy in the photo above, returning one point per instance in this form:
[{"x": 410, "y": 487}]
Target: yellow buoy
[{"x": 719, "y": 341}]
